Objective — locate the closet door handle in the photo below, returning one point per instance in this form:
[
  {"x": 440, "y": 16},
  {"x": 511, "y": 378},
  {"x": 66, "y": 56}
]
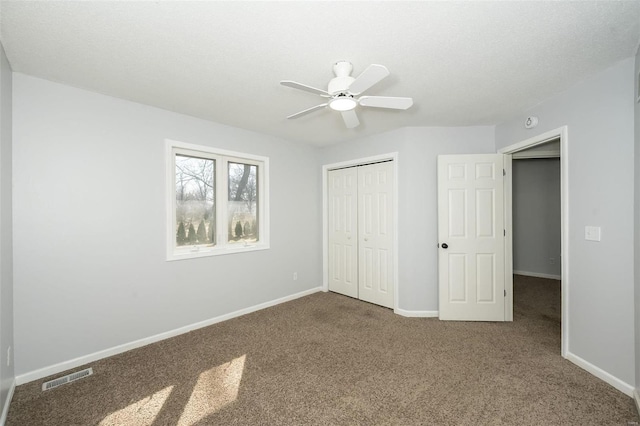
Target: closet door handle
[{"x": 445, "y": 246}]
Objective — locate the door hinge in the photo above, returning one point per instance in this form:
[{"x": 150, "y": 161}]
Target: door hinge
[
  {"x": 505, "y": 293},
  {"x": 504, "y": 232},
  {"x": 504, "y": 172}
]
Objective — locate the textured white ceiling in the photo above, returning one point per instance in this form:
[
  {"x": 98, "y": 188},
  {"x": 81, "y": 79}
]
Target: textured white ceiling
[{"x": 464, "y": 63}]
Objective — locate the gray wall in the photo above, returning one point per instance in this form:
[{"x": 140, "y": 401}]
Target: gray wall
[
  {"x": 599, "y": 115},
  {"x": 89, "y": 220},
  {"x": 6, "y": 238},
  {"x": 536, "y": 216},
  {"x": 418, "y": 149}
]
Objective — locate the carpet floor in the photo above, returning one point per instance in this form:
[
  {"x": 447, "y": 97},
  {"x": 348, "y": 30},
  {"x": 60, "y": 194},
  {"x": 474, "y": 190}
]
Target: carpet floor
[{"x": 327, "y": 359}]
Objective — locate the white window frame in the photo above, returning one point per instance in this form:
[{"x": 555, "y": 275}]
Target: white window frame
[{"x": 222, "y": 158}]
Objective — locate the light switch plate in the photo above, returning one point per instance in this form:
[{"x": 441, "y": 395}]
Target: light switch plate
[{"x": 592, "y": 233}]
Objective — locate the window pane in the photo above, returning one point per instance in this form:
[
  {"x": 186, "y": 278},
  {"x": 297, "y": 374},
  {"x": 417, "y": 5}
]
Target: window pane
[
  {"x": 195, "y": 205},
  {"x": 243, "y": 203}
]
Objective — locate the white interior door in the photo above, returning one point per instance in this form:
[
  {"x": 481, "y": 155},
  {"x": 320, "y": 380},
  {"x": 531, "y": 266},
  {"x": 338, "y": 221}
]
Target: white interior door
[
  {"x": 343, "y": 231},
  {"x": 471, "y": 255},
  {"x": 375, "y": 225}
]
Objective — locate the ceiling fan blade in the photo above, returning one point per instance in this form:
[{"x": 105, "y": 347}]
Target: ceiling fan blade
[
  {"x": 307, "y": 111},
  {"x": 385, "y": 102},
  {"x": 350, "y": 119},
  {"x": 304, "y": 87},
  {"x": 373, "y": 74}
]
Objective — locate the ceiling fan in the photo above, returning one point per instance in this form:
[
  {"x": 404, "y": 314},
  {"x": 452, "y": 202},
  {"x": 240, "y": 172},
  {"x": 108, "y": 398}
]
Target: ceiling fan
[{"x": 344, "y": 92}]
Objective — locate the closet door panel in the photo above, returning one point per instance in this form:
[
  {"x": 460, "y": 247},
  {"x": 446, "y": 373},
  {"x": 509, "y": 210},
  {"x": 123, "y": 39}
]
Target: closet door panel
[
  {"x": 343, "y": 231},
  {"x": 375, "y": 234}
]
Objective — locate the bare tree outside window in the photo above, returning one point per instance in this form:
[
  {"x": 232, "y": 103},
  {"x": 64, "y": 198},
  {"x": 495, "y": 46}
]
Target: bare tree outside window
[
  {"x": 195, "y": 201},
  {"x": 243, "y": 203}
]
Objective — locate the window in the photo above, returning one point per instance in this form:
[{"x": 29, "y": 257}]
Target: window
[{"x": 217, "y": 201}]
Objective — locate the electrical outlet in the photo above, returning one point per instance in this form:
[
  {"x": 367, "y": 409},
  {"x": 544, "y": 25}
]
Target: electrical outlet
[
  {"x": 592, "y": 233},
  {"x": 295, "y": 276},
  {"x": 9, "y": 356}
]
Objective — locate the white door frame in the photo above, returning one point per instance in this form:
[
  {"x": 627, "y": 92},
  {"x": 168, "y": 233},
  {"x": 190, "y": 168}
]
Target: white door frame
[
  {"x": 562, "y": 134},
  {"x": 393, "y": 156}
]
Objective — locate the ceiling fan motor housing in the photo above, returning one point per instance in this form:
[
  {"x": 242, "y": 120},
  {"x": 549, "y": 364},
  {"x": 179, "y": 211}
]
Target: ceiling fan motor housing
[
  {"x": 343, "y": 79},
  {"x": 339, "y": 85}
]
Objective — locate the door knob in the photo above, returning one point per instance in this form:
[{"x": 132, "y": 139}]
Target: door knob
[{"x": 445, "y": 246}]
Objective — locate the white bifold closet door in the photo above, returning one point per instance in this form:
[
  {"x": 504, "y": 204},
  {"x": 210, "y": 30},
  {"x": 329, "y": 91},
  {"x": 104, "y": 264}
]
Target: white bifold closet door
[{"x": 360, "y": 204}]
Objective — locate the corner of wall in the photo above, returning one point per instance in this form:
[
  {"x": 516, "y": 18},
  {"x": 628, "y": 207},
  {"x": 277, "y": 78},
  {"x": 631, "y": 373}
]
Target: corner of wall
[
  {"x": 7, "y": 373},
  {"x": 6, "y": 403}
]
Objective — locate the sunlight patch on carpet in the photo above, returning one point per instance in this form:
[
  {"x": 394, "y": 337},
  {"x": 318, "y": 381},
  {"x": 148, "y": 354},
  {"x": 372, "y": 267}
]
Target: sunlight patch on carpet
[
  {"x": 215, "y": 388},
  {"x": 141, "y": 413}
]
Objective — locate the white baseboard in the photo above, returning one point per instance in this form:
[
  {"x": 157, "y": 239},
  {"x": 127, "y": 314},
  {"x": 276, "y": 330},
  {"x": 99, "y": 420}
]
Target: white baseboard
[
  {"x": 538, "y": 275},
  {"x": 7, "y": 402},
  {"x": 636, "y": 398},
  {"x": 601, "y": 374},
  {"x": 76, "y": 362},
  {"x": 414, "y": 314}
]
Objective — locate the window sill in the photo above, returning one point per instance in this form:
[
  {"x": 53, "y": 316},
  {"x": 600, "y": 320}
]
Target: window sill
[{"x": 217, "y": 251}]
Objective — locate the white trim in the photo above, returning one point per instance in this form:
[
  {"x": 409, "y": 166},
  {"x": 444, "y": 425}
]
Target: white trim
[
  {"x": 396, "y": 221},
  {"x": 564, "y": 237},
  {"x": 393, "y": 156},
  {"x": 563, "y": 134},
  {"x": 636, "y": 398},
  {"x": 85, "y": 359},
  {"x": 416, "y": 314},
  {"x": 508, "y": 243},
  {"x": 536, "y": 140},
  {"x": 536, "y": 154},
  {"x": 538, "y": 275},
  {"x": 205, "y": 149},
  {"x": 7, "y": 402},
  {"x": 358, "y": 161},
  {"x": 325, "y": 232},
  {"x": 622, "y": 386}
]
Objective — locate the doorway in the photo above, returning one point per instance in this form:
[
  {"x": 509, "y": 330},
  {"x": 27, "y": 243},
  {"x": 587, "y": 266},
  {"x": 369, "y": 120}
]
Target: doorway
[
  {"x": 536, "y": 234},
  {"x": 542, "y": 142},
  {"x": 536, "y": 212}
]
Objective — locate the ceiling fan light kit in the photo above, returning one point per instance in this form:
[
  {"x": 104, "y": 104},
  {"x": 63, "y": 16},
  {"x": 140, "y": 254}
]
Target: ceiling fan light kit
[
  {"x": 342, "y": 102},
  {"x": 344, "y": 91}
]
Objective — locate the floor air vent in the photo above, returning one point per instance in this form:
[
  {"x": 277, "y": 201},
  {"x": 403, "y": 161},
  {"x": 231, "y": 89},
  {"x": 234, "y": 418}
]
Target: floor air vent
[{"x": 67, "y": 379}]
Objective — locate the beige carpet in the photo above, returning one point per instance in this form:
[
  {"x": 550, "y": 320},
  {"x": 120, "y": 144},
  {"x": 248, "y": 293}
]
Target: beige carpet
[{"x": 327, "y": 359}]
